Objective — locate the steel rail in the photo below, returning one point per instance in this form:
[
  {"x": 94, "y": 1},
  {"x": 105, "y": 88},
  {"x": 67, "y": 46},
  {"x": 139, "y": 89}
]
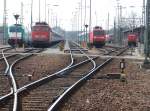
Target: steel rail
[
  {"x": 14, "y": 84},
  {"x": 72, "y": 59},
  {"x": 4, "y": 57},
  {"x": 62, "y": 96},
  {"x": 5, "y": 47},
  {"x": 80, "y": 81},
  {"x": 20, "y": 89},
  {"x": 55, "y": 75},
  {"x": 7, "y": 64},
  {"x": 40, "y": 81}
]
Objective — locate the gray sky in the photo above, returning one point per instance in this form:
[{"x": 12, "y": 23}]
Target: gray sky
[{"x": 66, "y": 8}]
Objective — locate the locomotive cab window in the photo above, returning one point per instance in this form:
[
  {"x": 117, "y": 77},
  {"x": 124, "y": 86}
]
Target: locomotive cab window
[
  {"x": 36, "y": 29},
  {"x": 14, "y": 29},
  {"x": 98, "y": 33},
  {"x": 40, "y": 29},
  {"x": 45, "y": 29}
]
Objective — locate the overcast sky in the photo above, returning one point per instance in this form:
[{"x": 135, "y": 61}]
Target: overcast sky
[{"x": 67, "y": 8}]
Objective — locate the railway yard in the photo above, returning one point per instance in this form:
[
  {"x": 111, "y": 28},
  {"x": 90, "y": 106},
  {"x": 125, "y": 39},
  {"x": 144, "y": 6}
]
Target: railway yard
[
  {"x": 75, "y": 55},
  {"x": 36, "y": 79}
]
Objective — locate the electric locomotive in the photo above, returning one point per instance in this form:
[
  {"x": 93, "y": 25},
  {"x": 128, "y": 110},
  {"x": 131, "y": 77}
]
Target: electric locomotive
[
  {"x": 41, "y": 34},
  {"x": 132, "y": 40},
  {"x": 17, "y": 35},
  {"x": 97, "y": 37}
]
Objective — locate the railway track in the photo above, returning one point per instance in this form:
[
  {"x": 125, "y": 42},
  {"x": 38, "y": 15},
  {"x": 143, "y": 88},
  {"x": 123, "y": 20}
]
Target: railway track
[
  {"x": 8, "y": 81},
  {"x": 107, "y": 50},
  {"x": 98, "y": 86},
  {"x": 14, "y": 85},
  {"x": 4, "y": 79},
  {"x": 37, "y": 81},
  {"x": 30, "y": 91},
  {"x": 47, "y": 89},
  {"x": 57, "y": 104}
]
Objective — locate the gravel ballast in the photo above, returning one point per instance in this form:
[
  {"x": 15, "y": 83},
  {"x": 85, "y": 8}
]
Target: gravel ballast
[{"x": 112, "y": 94}]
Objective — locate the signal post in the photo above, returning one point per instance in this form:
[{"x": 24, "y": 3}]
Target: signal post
[{"x": 147, "y": 37}]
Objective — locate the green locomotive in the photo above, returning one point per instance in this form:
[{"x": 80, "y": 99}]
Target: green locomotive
[{"x": 18, "y": 35}]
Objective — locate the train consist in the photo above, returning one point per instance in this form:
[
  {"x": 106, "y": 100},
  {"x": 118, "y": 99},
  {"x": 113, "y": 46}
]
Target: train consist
[
  {"x": 41, "y": 35},
  {"x": 132, "y": 40},
  {"x": 17, "y": 35},
  {"x": 97, "y": 37}
]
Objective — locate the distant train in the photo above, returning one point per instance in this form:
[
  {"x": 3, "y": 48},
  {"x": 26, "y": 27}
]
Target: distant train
[
  {"x": 17, "y": 35},
  {"x": 132, "y": 40},
  {"x": 97, "y": 37},
  {"x": 43, "y": 36}
]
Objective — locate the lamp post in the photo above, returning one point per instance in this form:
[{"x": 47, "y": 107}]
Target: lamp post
[
  {"x": 147, "y": 34},
  {"x": 31, "y": 13},
  {"x": 50, "y": 18},
  {"x": 39, "y": 10},
  {"x": 86, "y": 26},
  {"x": 4, "y": 22},
  {"x": 16, "y": 17},
  {"x": 48, "y": 13},
  {"x": 56, "y": 15},
  {"x": 119, "y": 14},
  {"x": 45, "y": 10},
  {"x": 90, "y": 19},
  {"x": 81, "y": 15}
]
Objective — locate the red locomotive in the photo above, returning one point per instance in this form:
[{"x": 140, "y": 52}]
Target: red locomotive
[
  {"x": 41, "y": 34},
  {"x": 97, "y": 37},
  {"x": 132, "y": 40}
]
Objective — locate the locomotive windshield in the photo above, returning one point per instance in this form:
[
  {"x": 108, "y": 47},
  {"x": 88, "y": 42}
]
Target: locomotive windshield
[
  {"x": 98, "y": 32},
  {"x": 15, "y": 29},
  {"x": 40, "y": 28}
]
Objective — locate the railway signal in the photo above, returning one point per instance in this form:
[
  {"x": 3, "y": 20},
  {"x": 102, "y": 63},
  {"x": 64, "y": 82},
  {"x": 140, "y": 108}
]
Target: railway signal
[
  {"x": 122, "y": 65},
  {"x": 29, "y": 77}
]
